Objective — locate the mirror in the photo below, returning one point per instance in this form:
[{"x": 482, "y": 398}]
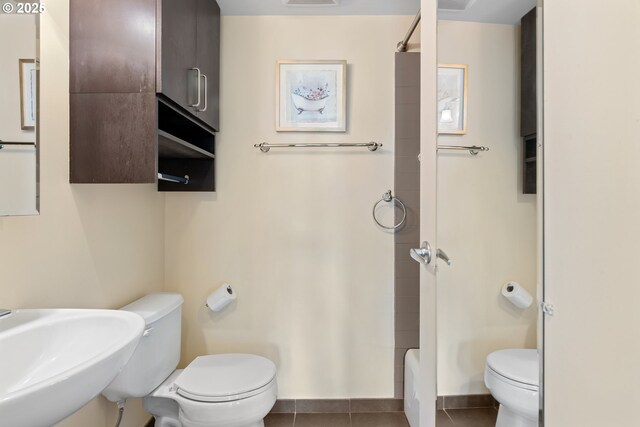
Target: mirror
[
  {"x": 487, "y": 318},
  {"x": 19, "y": 134}
]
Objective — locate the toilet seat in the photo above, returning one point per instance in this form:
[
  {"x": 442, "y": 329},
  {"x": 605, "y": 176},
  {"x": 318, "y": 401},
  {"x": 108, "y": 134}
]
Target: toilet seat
[
  {"x": 167, "y": 406},
  {"x": 516, "y": 367},
  {"x": 225, "y": 377}
]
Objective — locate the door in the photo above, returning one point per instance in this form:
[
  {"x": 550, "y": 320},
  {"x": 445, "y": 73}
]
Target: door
[
  {"x": 208, "y": 61},
  {"x": 177, "y": 53},
  {"x": 591, "y": 200},
  {"x": 428, "y": 174}
]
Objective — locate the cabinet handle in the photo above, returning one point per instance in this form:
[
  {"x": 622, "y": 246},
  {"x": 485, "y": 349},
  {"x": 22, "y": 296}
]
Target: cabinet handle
[
  {"x": 206, "y": 93},
  {"x": 198, "y": 75}
]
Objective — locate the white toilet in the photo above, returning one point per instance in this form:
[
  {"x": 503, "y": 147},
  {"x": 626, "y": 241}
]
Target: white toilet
[
  {"x": 512, "y": 376},
  {"x": 224, "y": 390}
]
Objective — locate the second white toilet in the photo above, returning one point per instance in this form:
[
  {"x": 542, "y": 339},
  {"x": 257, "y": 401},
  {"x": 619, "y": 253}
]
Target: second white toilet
[
  {"x": 512, "y": 377},
  {"x": 224, "y": 390}
]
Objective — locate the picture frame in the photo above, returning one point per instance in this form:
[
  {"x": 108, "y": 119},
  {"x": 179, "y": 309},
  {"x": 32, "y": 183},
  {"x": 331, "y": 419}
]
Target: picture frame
[
  {"x": 452, "y": 99},
  {"x": 311, "y": 95},
  {"x": 28, "y": 88}
]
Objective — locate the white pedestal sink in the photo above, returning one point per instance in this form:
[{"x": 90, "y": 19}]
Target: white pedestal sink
[{"x": 53, "y": 362}]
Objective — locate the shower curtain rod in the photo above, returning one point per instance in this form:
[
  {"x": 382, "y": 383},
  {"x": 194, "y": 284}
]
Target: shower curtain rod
[{"x": 402, "y": 45}]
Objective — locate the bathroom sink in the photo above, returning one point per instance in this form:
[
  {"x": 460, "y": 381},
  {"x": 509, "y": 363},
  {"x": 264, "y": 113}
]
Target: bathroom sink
[{"x": 53, "y": 362}]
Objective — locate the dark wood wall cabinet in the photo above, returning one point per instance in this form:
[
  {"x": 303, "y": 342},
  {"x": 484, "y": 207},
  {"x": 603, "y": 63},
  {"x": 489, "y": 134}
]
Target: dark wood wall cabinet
[
  {"x": 144, "y": 92},
  {"x": 528, "y": 100}
]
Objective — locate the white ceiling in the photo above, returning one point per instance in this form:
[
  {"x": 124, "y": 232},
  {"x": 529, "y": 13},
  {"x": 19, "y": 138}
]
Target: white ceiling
[
  {"x": 492, "y": 11},
  {"x": 346, "y": 7},
  {"x": 488, "y": 11}
]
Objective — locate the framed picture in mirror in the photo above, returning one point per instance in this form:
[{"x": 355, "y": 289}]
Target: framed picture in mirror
[
  {"x": 452, "y": 99},
  {"x": 27, "y": 93}
]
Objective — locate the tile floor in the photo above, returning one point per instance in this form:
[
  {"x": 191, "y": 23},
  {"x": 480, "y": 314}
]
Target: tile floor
[
  {"x": 481, "y": 417},
  {"x": 475, "y": 417}
]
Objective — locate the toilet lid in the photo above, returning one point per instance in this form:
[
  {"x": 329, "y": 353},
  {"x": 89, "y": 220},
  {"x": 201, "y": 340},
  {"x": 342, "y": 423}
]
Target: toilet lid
[
  {"x": 225, "y": 377},
  {"x": 519, "y": 365}
]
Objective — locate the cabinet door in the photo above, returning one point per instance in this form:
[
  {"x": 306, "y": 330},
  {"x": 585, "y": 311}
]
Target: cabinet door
[
  {"x": 112, "y": 46},
  {"x": 113, "y": 138},
  {"x": 208, "y": 51},
  {"x": 177, "y": 53}
]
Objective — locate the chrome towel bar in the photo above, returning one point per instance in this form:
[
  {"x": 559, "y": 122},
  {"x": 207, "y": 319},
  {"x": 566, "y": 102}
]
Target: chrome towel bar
[
  {"x": 372, "y": 146},
  {"x": 473, "y": 149}
]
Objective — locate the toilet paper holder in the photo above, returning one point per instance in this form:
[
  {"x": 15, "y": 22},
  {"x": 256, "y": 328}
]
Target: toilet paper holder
[
  {"x": 221, "y": 298},
  {"x": 517, "y": 295},
  {"x": 229, "y": 291}
]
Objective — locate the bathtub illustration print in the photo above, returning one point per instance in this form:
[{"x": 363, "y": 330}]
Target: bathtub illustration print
[
  {"x": 305, "y": 99},
  {"x": 310, "y": 96}
]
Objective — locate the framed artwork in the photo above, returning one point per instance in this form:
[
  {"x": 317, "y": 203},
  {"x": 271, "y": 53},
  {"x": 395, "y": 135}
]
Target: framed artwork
[
  {"x": 27, "y": 93},
  {"x": 452, "y": 99},
  {"x": 311, "y": 96}
]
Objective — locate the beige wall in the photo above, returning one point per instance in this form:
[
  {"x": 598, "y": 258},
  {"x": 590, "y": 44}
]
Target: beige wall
[
  {"x": 92, "y": 246},
  {"x": 292, "y": 230},
  {"x": 592, "y": 206},
  {"x": 485, "y": 223},
  {"x": 20, "y": 30}
]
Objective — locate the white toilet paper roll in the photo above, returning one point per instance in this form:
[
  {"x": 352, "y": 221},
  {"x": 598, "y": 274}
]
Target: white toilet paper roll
[
  {"x": 221, "y": 297},
  {"x": 517, "y": 295}
]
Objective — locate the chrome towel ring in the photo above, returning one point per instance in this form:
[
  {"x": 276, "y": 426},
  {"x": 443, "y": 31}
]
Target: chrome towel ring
[{"x": 388, "y": 197}]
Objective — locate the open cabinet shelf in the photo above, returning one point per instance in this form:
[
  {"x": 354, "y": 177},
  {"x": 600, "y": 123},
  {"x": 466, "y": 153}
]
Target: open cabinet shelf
[
  {"x": 174, "y": 147},
  {"x": 185, "y": 149},
  {"x": 529, "y": 165}
]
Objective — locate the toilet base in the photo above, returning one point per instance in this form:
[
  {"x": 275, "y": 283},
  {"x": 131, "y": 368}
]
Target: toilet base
[
  {"x": 166, "y": 422},
  {"x": 509, "y": 418}
]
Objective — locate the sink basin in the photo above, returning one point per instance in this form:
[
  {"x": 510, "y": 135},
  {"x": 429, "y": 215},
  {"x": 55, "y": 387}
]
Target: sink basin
[{"x": 53, "y": 362}]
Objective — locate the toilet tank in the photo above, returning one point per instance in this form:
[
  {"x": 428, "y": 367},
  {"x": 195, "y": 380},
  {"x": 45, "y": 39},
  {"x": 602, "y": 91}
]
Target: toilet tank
[{"x": 158, "y": 351}]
